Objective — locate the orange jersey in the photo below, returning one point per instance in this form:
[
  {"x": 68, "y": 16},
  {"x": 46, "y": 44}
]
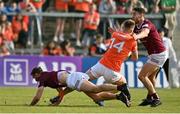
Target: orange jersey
[
  {"x": 92, "y": 18},
  {"x": 61, "y": 5},
  {"x": 119, "y": 50},
  {"x": 72, "y": 2},
  {"x": 82, "y": 6},
  {"x": 37, "y": 3}
]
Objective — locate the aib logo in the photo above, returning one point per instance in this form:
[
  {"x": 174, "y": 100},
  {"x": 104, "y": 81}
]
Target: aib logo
[{"x": 15, "y": 72}]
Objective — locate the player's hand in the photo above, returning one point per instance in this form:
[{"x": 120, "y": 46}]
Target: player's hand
[
  {"x": 135, "y": 36},
  {"x": 55, "y": 103},
  {"x": 56, "y": 100}
]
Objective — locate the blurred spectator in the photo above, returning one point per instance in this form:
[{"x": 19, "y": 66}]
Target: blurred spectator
[
  {"x": 150, "y": 4},
  {"x": 66, "y": 48},
  {"x": 20, "y": 30},
  {"x": 158, "y": 23},
  {"x": 97, "y": 2},
  {"x": 135, "y": 3},
  {"x": 71, "y": 5},
  {"x": 98, "y": 48},
  {"x": 27, "y": 7},
  {"x": 81, "y": 6},
  {"x": 6, "y": 32},
  {"x": 106, "y": 7},
  {"x": 168, "y": 8},
  {"x": 121, "y": 6},
  {"x": 91, "y": 22},
  {"x": 71, "y": 9},
  {"x": 171, "y": 63},
  {"x": 155, "y": 10},
  {"x": 51, "y": 49},
  {"x": 60, "y": 6},
  {"x": 13, "y": 8},
  {"x": 3, "y": 9},
  {"x": 4, "y": 50},
  {"x": 38, "y": 4},
  {"x": 46, "y": 5}
]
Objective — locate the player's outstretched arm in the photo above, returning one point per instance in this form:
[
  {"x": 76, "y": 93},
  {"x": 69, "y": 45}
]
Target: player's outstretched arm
[
  {"x": 144, "y": 33},
  {"x": 37, "y": 96}
]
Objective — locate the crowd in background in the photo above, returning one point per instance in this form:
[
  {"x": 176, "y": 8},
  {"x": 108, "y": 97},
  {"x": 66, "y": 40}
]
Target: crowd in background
[{"x": 15, "y": 31}]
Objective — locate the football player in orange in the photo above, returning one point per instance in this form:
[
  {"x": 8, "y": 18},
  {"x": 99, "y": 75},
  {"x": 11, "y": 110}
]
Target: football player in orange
[{"x": 121, "y": 47}]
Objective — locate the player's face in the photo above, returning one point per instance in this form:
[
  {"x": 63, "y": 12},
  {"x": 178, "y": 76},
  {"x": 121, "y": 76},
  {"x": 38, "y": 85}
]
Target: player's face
[
  {"x": 36, "y": 75},
  {"x": 136, "y": 16}
]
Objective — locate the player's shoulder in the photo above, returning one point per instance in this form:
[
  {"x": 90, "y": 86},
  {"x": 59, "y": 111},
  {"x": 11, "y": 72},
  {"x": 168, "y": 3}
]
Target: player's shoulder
[{"x": 146, "y": 23}]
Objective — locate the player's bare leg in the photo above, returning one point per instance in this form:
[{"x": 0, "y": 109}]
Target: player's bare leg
[
  {"x": 124, "y": 96},
  {"x": 87, "y": 86},
  {"x": 156, "y": 99},
  {"x": 152, "y": 77},
  {"x": 147, "y": 70},
  {"x": 98, "y": 98}
]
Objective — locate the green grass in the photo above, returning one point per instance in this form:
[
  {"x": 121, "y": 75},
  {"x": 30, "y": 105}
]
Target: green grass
[{"x": 15, "y": 99}]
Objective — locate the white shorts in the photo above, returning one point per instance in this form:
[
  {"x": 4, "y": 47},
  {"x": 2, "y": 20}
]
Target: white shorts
[
  {"x": 158, "y": 59},
  {"x": 75, "y": 80},
  {"x": 109, "y": 75}
]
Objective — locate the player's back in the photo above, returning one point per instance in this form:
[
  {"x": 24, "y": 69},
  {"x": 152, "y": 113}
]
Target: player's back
[
  {"x": 49, "y": 79},
  {"x": 120, "y": 47}
]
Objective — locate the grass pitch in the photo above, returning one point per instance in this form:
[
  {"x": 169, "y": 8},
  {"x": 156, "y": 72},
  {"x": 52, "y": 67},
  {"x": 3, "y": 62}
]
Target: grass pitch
[{"x": 15, "y": 100}]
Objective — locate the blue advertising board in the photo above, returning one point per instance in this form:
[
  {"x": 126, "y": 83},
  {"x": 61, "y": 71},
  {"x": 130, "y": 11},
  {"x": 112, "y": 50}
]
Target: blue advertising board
[{"x": 15, "y": 70}]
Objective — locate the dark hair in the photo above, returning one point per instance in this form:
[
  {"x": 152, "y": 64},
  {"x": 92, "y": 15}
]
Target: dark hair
[
  {"x": 161, "y": 30},
  {"x": 140, "y": 10},
  {"x": 36, "y": 70},
  {"x": 99, "y": 36},
  {"x": 64, "y": 43},
  {"x": 128, "y": 24},
  {"x": 165, "y": 30}
]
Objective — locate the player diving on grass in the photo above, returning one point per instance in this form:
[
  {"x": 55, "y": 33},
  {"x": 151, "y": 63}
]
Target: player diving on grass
[
  {"x": 73, "y": 81},
  {"x": 122, "y": 46}
]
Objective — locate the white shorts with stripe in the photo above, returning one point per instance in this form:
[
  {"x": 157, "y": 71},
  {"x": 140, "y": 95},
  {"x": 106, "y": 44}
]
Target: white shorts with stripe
[
  {"x": 75, "y": 80},
  {"x": 158, "y": 59},
  {"x": 109, "y": 75}
]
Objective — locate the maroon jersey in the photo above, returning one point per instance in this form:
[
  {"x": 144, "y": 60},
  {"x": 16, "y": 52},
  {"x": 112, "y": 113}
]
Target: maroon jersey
[
  {"x": 152, "y": 42},
  {"x": 49, "y": 79}
]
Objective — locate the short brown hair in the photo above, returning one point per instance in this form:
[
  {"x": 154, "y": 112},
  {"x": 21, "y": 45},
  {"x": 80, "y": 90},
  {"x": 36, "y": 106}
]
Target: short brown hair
[{"x": 128, "y": 24}]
